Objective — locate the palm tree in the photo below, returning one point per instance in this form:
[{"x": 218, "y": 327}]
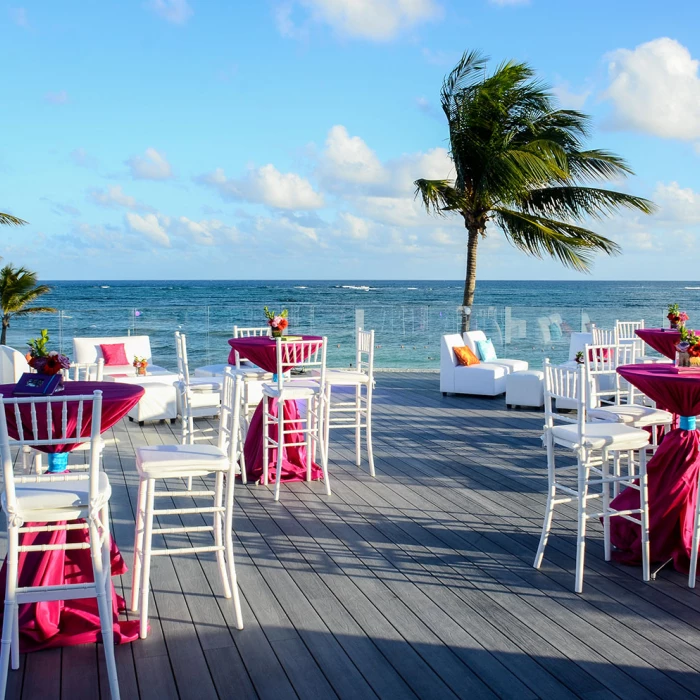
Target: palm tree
[
  {"x": 18, "y": 287},
  {"x": 520, "y": 165}
]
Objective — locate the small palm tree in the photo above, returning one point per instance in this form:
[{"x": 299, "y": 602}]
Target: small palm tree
[
  {"x": 520, "y": 165},
  {"x": 18, "y": 288}
]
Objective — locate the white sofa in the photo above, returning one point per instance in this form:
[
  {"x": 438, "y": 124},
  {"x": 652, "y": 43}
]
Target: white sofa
[
  {"x": 88, "y": 351},
  {"x": 484, "y": 379},
  {"x": 12, "y": 365}
]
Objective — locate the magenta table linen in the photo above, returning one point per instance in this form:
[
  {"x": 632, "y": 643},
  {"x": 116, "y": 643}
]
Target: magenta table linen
[
  {"x": 662, "y": 340},
  {"x": 117, "y": 400},
  {"x": 262, "y": 351},
  {"x": 672, "y": 473},
  {"x": 65, "y": 623}
]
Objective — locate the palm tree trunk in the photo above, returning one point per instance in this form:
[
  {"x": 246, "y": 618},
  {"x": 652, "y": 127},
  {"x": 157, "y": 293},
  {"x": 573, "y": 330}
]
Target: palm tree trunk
[
  {"x": 5, "y": 326},
  {"x": 470, "y": 280}
]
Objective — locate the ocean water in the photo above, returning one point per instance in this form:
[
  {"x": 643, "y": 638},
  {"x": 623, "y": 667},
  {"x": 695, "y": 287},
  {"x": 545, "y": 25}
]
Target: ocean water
[{"x": 408, "y": 317}]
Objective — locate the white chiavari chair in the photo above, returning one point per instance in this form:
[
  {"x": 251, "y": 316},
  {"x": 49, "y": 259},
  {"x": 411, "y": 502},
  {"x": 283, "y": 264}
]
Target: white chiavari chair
[
  {"x": 589, "y": 478},
  {"x": 56, "y": 500},
  {"x": 309, "y": 357},
  {"x": 159, "y": 463},
  {"x": 356, "y": 411},
  {"x": 603, "y": 336}
]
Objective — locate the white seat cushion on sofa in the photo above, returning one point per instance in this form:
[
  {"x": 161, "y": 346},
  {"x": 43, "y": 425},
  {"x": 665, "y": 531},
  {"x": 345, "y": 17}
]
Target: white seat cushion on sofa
[
  {"x": 57, "y": 500},
  {"x": 472, "y": 337}
]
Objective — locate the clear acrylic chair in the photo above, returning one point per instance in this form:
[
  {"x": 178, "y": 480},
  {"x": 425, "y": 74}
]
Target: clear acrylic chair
[
  {"x": 355, "y": 412},
  {"x": 54, "y": 501},
  {"x": 302, "y": 356},
  {"x": 589, "y": 478},
  {"x": 160, "y": 463}
]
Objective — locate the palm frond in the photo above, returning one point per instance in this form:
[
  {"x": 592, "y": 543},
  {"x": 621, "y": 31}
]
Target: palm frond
[
  {"x": 438, "y": 196},
  {"x": 579, "y": 203},
  {"x": 572, "y": 245},
  {"x": 597, "y": 164},
  {"x": 9, "y": 220},
  {"x": 35, "y": 310}
]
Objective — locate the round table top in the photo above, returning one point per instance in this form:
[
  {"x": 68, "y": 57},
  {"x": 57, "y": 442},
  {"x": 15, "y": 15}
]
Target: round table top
[
  {"x": 260, "y": 350},
  {"x": 117, "y": 400},
  {"x": 663, "y": 340},
  {"x": 673, "y": 391}
]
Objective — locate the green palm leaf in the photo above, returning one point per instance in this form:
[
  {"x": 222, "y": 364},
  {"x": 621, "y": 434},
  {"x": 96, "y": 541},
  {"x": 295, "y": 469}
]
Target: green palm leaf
[{"x": 9, "y": 220}]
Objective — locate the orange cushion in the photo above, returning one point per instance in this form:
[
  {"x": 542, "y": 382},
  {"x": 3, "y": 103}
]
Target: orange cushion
[{"x": 465, "y": 356}]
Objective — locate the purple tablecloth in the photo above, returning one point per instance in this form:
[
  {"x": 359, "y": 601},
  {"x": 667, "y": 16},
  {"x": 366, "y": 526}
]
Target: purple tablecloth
[
  {"x": 663, "y": 340},
  {"x": 672, "y": 472}
]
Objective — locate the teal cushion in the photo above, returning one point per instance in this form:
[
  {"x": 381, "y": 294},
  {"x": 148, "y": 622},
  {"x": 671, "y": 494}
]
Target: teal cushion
[
  {"x": 555, "y": 331},
  {"x": 487, "y": 353}
]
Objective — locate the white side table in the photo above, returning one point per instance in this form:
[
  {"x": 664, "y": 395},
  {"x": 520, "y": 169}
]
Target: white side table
[{"x": 525, "y": 389}]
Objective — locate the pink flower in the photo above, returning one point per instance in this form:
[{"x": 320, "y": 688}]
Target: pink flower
[{"x": 683, "y": 316}]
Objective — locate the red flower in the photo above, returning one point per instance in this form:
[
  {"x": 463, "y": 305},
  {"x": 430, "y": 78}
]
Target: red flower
[{"x": 282, "y": 324}]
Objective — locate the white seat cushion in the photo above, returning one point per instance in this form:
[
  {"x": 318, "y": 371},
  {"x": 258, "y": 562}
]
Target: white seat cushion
[
  {"x": 57, "y": 500},
  {"x": 206, "y": 383},
  {"x": 293, "y": 389},
  {"x": 345, "y": 377},
  {"x": 511, "y": 365},
  {"x": 632, "y": 414},
  {"x": 162, "y": 461},
  {"x": 614, "y": 436}
]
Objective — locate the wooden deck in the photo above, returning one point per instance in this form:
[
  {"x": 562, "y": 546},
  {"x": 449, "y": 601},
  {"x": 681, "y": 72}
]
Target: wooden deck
[{"x": 418, "y": 583}]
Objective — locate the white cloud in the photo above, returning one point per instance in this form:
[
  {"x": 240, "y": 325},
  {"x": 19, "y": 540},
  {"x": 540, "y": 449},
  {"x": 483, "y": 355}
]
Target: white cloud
[
  {"x": 114, "y": 197},
  {"x": 152, "y": 226},
  {"x": 434, "y": 164},
  {"x": 150, "y": 166},
  {"x": 56, "y": 98},
  {"x": 655, "y": 88},
  {"x": 19, "y": 16},
  {"x": 281, "y": 229},
  {"x": 209, "y": 232},
  {"x": 266, "y": 185},
  {"x": 570, "y": 99},
  {"x": 394, "y": 211},
  {"x": 354, "y": 226},
  {"x": 174, "y": 11},
  {"x": 377, "y": 20},
  {"x": 350, "y": 159},
  {"x": 678, "y": 204}
]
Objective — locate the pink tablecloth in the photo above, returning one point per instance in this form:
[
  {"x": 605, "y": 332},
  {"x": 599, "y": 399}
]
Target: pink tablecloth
[
  {"x": 663, "y": 340},
  {"x": 262, "y": 351},
  {"x": 64, "y": 623},
  {"x": 672, "y": 472}
]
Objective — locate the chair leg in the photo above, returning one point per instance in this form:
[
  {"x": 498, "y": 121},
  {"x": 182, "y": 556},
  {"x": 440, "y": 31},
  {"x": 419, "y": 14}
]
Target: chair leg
[
  {"x": 10, "y": 605},
  {"x": 138, "y": 545},
  {"x": 280, "y": 447},
  {"x": 103, "y": 584},
  {"x": 358, "y": 426},
  {"x": 605, "y": 468},
  {"x": 324, "y": 447},
  {"x": 583, "y": 473},
  {"x": 310, "y": 425},
  {"x": 218, "y": 534},
  {"x": 265, "y": 430},
  {"x": 326, "y": 430},
  {"x": 228, "y": 536},
  {"x": 549, "y": 508},
  {"x": 368, "y": 429},
  {"x": 617, "y": 472},
  {"x": 644, "y": 505},
  {"x": 146, "y": 563}
]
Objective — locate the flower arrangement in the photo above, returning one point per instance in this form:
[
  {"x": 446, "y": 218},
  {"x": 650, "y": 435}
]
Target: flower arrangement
[
  {"x": 141, "y": 363},
  {"x": 688, "y": 349},
  {"x": 278, "y": 322},
  {"x": 580, "y": 359},
  {"x": 677, "y": 317},
  {"x": 43, "y": 360}
]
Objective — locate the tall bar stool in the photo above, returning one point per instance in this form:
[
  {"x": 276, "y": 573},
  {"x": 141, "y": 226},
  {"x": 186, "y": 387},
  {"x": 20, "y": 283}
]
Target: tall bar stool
[
  {"x": 49, "y": 503},
  {"x": 161, "y": 462},
  {"x": 593, "y": 445},
  {"x": 355, "y": 413},
  {"x": 305, "y": 356}
]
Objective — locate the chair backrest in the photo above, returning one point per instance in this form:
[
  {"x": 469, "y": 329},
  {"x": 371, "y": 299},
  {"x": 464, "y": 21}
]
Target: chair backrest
[
  {"x": 86, "y": 372},
  {"x": 88, "y": 351},
  {"x": 364, "y": 360},
  {"x": 447, "y": 355},
  {"x": 603, "y": 383},
  {"x": 252, "y": 332},
  {"x": 231, "y": 394},
  {"x": 578, "y": 342},
  {"x": 183, "y": 369},
  {"x": 46, "y": 421},
  {"x": 626, "y": 329},
  {"x": 604, "y": 336},
  {"x": 12, "y": 365},
  {"x": 567, "y": 384},
  {"x": 301, "y": 354},
  {"x": 471, "y": 338}
]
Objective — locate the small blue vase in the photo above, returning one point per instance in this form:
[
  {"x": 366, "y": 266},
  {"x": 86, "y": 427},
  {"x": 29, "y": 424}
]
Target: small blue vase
[{"x": 58, "y": 462}]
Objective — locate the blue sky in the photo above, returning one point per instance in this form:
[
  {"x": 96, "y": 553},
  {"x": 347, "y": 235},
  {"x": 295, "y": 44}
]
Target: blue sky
[{"x": 195, "y": 139}]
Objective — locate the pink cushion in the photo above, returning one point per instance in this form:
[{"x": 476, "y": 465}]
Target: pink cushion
[{"x": 114, "y": 354}]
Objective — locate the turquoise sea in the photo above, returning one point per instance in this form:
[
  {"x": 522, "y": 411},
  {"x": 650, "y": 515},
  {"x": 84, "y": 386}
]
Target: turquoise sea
[{"x": 408, "y": 316}]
